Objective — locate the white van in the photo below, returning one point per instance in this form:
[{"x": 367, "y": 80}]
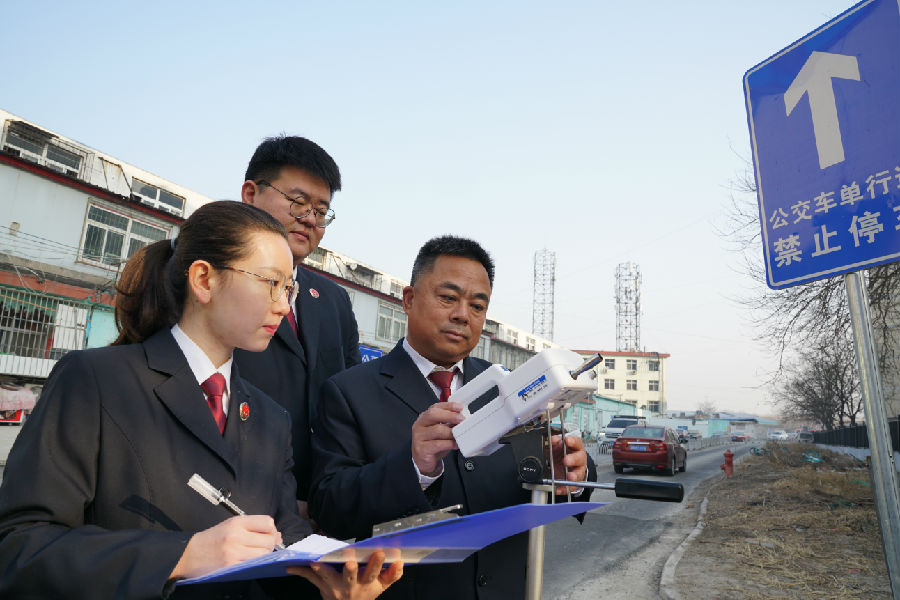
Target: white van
[{"x": 618, "y": 424}]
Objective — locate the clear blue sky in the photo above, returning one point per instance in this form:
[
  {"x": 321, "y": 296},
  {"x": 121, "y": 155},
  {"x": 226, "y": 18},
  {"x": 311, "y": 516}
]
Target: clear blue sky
[{"x": 605, "y": 131}]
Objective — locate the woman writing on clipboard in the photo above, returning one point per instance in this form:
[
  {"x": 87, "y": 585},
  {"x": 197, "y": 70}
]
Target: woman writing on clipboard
[{"x": 94, "y": 501}]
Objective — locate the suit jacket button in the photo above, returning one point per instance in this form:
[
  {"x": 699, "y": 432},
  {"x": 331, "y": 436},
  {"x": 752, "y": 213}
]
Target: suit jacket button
[
  {"x": 469, "y": 465},
  {"x": 482, "y": 580}
]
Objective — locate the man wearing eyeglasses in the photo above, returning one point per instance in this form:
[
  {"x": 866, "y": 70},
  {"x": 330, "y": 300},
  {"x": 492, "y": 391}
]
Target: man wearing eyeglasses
[{"x": 294, "y": 180}]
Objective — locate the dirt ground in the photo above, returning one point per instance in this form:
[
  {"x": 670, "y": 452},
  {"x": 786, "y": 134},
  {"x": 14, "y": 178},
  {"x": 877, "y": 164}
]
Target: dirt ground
[{"x": 786, "y": 527}]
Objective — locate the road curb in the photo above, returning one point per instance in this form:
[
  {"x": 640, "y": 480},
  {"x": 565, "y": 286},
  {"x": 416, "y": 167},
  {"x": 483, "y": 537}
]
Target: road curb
[{"x": 667, "y": 588}]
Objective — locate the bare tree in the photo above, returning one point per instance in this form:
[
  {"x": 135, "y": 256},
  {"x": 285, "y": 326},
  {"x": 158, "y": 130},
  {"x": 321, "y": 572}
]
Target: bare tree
[
  {"x": 707, "y": 407},
  {"x": 823, "y": 386}
]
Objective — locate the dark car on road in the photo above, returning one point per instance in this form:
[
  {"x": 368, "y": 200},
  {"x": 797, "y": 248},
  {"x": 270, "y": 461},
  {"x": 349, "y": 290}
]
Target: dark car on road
[{"x": 649, "y": 447}]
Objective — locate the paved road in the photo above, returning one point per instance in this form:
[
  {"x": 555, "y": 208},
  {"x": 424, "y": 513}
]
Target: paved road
[{"x": 584, "y": 556}]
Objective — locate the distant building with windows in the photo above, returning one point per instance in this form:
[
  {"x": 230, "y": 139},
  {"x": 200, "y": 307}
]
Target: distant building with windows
[{"x": 636, "y": 378}]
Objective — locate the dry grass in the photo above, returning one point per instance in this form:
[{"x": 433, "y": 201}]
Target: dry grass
[{"x": 784, "y": 527}]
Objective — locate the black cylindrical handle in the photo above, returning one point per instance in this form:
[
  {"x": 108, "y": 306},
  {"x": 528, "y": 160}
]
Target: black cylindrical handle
[{"x": 661, "y": 491}]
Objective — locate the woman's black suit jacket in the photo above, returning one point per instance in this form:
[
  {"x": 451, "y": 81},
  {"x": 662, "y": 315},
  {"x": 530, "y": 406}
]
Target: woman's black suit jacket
[{"x": 94, "y": 501}]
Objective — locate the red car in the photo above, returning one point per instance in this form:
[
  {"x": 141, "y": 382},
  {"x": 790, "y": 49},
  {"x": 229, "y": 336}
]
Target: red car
[{"x": 649, "y": 447}]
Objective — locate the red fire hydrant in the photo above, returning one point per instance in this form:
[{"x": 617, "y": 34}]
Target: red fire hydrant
[{"x": 728, "y": 466}]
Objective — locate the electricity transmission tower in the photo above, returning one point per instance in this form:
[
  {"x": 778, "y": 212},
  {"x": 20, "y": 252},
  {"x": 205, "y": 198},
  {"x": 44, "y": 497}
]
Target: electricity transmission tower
[
  {"x": 628, "y": 307},
  {"x": 544, "y": 280}
]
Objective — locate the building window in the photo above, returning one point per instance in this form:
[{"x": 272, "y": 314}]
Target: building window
[
  {"x": 157, "y": 197},
  {"x": 610, "y": 363},
  {"x": 653, "y": 365},
  {"x": 509, "y": 356},
  {"x": 316, "y": 258},
  {"x": 391, "y": 323},
  {"x": 396, "y": 288},
  {"x": 514, "y": 337},
  {"x": 111, "y": 238},
  {"x": 480, "y": 351},
  {"x": 36, "y": 145},
  {"x": 631, "y": 364},
  {"x": 654, "y": 406},
  {"x": 69, "y": 160},
  {"x": 654, "y": 385},
  {"x": 609, "y": 384},
  {"x": 20, "y": 141},
  {"x": 362, "y": 275},
  {"x": 529, "y": 343},
  {"x": 631, "y": 384}
]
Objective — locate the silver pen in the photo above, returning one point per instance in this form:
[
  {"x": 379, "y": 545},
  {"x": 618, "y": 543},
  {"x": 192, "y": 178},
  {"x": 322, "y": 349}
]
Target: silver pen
[{"x": 217, "y": 496}]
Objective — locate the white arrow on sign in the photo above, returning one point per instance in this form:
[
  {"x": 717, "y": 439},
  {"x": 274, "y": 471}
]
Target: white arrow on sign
[{"x": 814, "y": 79}]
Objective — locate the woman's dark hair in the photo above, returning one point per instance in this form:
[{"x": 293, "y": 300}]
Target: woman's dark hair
[{"x": 153, "y": 285}]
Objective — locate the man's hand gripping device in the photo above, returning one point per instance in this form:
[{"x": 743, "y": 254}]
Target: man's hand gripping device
[
  {"x": 528, "y": 399},
  {"x": 548, "y": 383}
]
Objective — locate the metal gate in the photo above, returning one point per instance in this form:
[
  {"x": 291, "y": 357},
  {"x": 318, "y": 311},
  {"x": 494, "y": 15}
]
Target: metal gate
[{"x": 36, "y": 329}]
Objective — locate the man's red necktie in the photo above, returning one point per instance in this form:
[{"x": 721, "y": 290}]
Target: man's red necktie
[
  {"x": 214, "y": 387},
  {"x": 292, "y": 320},
  {"x": 442, "y": 379}
]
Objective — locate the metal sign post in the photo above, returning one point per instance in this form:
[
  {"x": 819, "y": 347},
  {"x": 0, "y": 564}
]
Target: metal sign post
[{"x": 884, "y": 472}]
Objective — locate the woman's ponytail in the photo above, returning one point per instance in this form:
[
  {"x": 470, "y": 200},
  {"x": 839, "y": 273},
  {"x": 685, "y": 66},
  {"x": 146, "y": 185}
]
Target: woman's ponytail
[
  {"x": 146, "y": 300},
  {"x": 152, "y": 288}
]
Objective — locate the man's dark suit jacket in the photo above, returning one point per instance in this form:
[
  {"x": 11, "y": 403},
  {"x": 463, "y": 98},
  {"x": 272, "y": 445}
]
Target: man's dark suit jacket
[
  {"x": 292, "y": 371},
  {"x": 94, "y": 501},
  {"x": 364, "y": 475}
]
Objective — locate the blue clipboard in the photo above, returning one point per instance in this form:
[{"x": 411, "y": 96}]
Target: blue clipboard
[{"x": 451, "y": 540}]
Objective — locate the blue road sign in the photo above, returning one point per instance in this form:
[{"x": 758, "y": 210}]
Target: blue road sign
[
  {"x": 368, "y": 353},
  {"x": 824, "y": 116}
]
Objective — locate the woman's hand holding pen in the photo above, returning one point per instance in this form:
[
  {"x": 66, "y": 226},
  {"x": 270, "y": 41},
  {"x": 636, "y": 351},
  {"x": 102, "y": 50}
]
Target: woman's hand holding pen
[{"x": 229, "y": 542}]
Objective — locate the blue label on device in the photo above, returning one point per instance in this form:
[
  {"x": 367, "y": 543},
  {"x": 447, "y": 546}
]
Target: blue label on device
[{"x": 526, "y": 391}]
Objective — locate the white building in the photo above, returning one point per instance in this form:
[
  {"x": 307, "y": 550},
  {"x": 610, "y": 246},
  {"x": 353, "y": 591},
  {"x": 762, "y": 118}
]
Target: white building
[
  {"x": 71, "y": 215},
  {"x": 638, "y": 378}
]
